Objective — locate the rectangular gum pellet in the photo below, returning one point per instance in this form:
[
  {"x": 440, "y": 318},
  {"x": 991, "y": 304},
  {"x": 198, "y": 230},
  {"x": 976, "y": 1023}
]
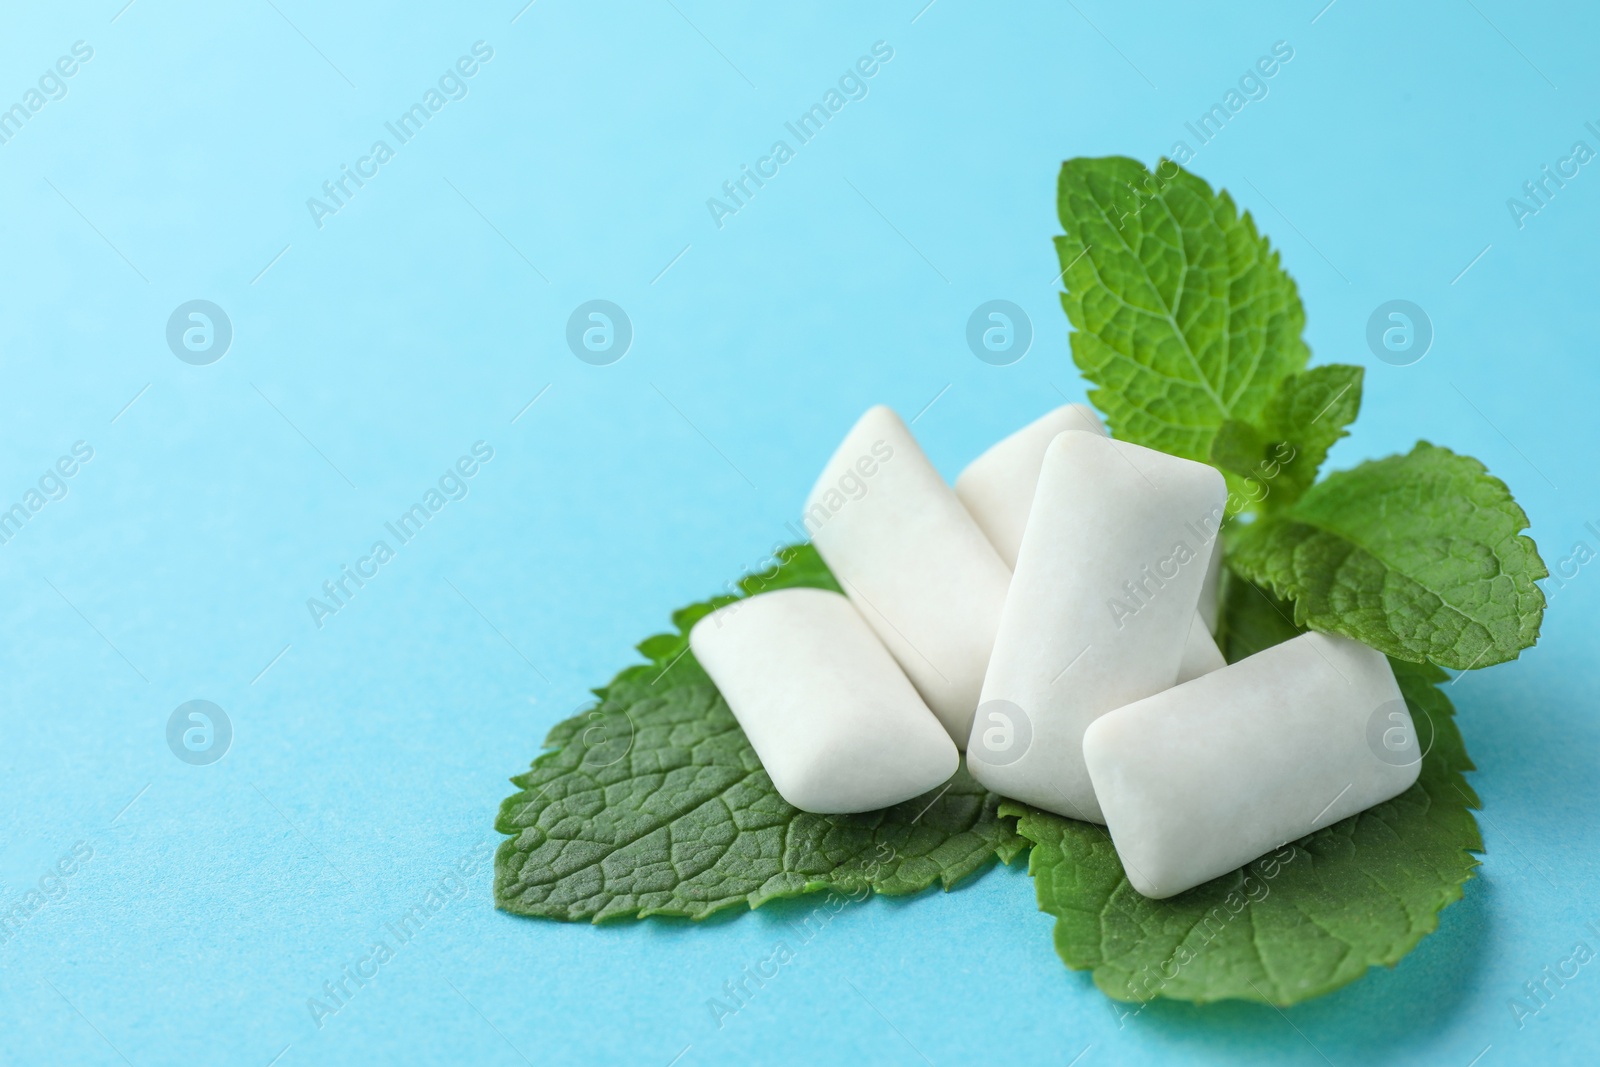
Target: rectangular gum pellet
[
  {"x": 834, "y": 720},
  {"x": 1205, "y": 777},
  {"x": 1107, "y": 581},
  {"x": 913, "y": 562},
  {"x": 997, "y": 489}
]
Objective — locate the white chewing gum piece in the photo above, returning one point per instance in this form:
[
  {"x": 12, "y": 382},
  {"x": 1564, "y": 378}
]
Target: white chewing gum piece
[
  {"x": 1200, "y": 653},
  {"x": 1205, "y": 777},
  {"x": 836, "y": 723},
  {"x": 1100, "y": 609},
  {"x": 912, "y": 561},
  {"x": 997, "y": 487}
]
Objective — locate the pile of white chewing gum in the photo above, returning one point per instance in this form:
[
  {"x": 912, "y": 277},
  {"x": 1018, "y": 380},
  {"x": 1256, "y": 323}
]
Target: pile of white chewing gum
[{"x": 1052, "y": 616}]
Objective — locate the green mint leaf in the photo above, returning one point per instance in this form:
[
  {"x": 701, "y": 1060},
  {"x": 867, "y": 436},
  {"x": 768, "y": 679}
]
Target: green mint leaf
[
  {"x": 1252, "y": 619},
  {"x": 1295, "y": 924},
  {"x": 1420, "y": 556},
  {"x": 654, "y": 803},
  {"x": 1279, "y": 458},
  {"x": 1181, "y": 314}
]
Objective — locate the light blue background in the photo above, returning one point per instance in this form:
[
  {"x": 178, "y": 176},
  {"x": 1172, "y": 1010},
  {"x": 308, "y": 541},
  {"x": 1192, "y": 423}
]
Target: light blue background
[{"x": 377, "y": 349}]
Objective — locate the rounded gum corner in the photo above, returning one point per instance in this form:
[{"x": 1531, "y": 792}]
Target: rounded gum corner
[{"x": 1068, "y": 440}]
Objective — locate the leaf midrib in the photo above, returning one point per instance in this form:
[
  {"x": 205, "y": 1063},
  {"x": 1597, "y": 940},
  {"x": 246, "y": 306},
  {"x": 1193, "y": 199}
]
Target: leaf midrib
[
  {"x": 1333, "y": 530},
  {"x": 1166, "y": 312}
]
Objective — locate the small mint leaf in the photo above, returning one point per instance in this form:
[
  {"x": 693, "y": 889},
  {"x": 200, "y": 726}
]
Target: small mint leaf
[{"x": 1278, "y": 459}]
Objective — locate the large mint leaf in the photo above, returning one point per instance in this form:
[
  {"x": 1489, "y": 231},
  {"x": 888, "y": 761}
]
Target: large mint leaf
[
  {"x": 1306, "y": 416},
  {"x": 1294, "y": 924},
  {"x": 1181, "y": 314},
  {"x": 654, "y": 803},
  {"x": 1420, "y": 556}
]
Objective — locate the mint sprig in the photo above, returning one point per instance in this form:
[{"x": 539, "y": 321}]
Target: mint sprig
[{"x": 1421, "y": 556}]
